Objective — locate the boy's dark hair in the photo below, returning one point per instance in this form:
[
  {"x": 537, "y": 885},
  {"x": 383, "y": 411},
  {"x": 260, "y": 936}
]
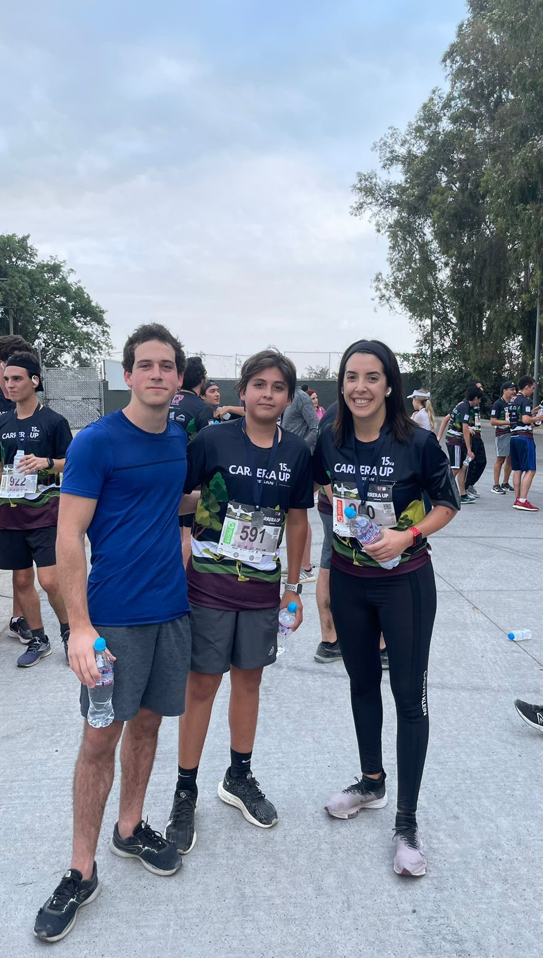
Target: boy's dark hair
[
  {"x": 305, "y": 388},
  {"x": 13, "y": 344},
  {"x": 146, "y": 333},
  {"x": 525, "y": 381},
  {"x": 28, "y": 361},
  {"x": 396, "y": 417},
  {"x": 473, "y": 392},
  {"x": 195, "y": 372},
  {"x": 266, "y": 359}
]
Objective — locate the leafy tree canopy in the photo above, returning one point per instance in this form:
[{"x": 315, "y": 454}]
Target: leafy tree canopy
[{"x": 40, "y": 300}]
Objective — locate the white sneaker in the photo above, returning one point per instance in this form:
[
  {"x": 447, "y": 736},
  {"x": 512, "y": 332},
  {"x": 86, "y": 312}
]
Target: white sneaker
[{"x": 409, "y": 858}]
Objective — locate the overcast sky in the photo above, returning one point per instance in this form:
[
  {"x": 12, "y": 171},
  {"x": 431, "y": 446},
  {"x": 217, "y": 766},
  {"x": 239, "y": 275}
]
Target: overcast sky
[{"x": 193, "y": 162}]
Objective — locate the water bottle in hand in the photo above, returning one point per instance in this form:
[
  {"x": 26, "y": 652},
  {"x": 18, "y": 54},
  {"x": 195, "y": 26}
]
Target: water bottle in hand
[
  {"x": 519, "y": 635},
  {"x": 18, "y": 456},
  {"x": 367, "y": 532},
  {"x": 101, "y": 712},
  {"x": 287, "y": 618}
]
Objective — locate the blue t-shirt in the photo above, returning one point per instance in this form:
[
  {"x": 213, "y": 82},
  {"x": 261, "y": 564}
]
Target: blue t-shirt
[{"x": 137, "y": 575}]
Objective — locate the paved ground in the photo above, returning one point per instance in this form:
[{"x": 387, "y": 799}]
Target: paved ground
[{"x": 314, "y": 886}]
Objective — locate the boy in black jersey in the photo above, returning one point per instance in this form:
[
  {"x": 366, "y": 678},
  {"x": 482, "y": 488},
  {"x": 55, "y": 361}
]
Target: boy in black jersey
[
  {"x": 523, "y": 457},
  {"x": 459, "y": 438},
  {"x": 251, "y": 473},
  {"x": 499, "y": 418},
  {"x": 34, "y": 442}
]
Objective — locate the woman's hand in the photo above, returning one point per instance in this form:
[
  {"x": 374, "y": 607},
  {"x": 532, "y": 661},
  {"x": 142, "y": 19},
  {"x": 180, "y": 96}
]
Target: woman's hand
[{"x": 392, "y": 544}]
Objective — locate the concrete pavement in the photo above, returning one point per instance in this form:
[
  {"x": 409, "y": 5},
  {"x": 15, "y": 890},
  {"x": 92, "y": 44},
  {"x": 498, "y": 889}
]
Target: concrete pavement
[{"x": 314, "y": 886}]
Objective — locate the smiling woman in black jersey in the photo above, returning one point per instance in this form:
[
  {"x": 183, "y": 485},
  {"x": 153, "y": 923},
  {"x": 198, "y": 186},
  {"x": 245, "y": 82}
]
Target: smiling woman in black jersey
[{"x": 375, "y": 458}]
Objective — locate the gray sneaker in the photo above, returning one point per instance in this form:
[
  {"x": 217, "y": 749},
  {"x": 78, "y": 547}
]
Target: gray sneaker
[
  {"x": 409, "y": 858},
  {"x": 20, "y": 629},
  {"x": 472, "y": 491},
  {"x": 307, "y": 576},
  {"x": 498, "y": 490},
  {"x": 351, "y": 801}
]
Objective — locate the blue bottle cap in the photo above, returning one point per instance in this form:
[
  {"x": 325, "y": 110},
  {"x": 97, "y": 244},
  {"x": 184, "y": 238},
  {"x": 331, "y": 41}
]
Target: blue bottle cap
[
  {"x": 99, "y": 645},
  {"x": 292, "y": 607},
  {"x": 350, "y": 512},
  {"x": 510, "y": 635}
]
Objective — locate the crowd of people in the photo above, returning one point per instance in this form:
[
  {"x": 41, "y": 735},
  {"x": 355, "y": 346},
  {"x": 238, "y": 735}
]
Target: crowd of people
[{"x": 214, "y": 507}]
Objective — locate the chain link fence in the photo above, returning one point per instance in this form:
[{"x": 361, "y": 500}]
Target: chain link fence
[{"x": 75, "y": 393}]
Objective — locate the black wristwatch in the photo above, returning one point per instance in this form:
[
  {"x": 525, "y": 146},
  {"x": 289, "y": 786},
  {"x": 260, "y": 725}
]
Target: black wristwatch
[{"x": 50, "y": 462}]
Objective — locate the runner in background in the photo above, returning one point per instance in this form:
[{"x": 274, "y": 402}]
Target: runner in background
[
  {"x": 252, "y": 474},
  {"x": 34, "y": 441},
  {"x": 499, "y": 418},
  {"x": 523, "y": 457}
]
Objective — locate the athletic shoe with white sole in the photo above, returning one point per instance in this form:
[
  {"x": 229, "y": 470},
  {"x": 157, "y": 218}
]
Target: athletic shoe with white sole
[
  {"x": 245, "y": 794},
  {"x": 355, "y": 798},
  {"x": 507, "y": 487},
  {"x": 149, "y": 847},
  {"x": 525, "y": 506},
  {"x": 35, "y": 651},
  {"x": 498, "y": 490},
  {"x": 20, "y": 629},
  {"x": 180, "y": 828},
  {"x": 58, "y": 916},
  {"x": 531, "y": 714},
  {"x": 467, "y": 500},
  {"x": 409, "y": 859},
  {"x": 472, "y": 491},
  {"x": 307, "y": 575},
  {"x": 328, "y": 652}
]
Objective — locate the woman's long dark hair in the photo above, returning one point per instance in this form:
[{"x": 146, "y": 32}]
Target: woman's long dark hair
[{"x": 396, "y": 417}]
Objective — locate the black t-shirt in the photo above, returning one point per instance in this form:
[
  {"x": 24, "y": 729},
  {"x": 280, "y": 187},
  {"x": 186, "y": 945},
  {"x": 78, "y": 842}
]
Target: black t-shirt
[
  {"x": 498, "y": 412},
  {"x": 402, "y": 472},
  {"x": 520, "y": 406},
  {"x": 218, "y": 461},
  {"x": 46, "y": 434},
  {"x": 185, "y": 407},
  {"x": 462, "y": 414}
]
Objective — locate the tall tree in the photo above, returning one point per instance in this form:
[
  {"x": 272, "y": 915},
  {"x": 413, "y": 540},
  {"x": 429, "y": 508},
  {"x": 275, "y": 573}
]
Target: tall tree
[{"x": 40, "y": 300}]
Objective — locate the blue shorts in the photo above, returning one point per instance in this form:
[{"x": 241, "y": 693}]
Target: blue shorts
[{"x": 522, "y": 454}]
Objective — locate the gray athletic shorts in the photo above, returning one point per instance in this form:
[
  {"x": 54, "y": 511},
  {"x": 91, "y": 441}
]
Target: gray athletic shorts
[
  {"x": 328, "y": 529},
  {"x": 151, "y": 668},
  {"x": 503, "y": 445},
  {"x": 221, "y": 638}
]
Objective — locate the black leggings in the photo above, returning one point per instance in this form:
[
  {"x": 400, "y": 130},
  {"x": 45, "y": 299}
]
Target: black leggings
[{"x": 403, "y": 607}]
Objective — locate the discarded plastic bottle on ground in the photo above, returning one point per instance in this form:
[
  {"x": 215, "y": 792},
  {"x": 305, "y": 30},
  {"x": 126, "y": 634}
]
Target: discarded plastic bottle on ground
[
  {"x": 101, "y": 712},
  {"x": 367, "y": 532},
  {"x": 519, "y": 635},
  {"x": 287, "y": 618}
]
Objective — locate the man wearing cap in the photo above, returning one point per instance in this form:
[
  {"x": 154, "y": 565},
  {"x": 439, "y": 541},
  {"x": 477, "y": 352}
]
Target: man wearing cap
[
  {"x": 34, "y": 440},
  {"x": 499, "y": 418}
]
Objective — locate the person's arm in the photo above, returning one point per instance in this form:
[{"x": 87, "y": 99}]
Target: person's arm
[
  {"x": 444, "y": 423},
  {"x": 188, "y": 503},
  {"x": 393, "y": 543},
  {"x": 296, "y": 535},
  {"x": 74, "y": 517},
  {"x": 312, "y": 422},
  {"x": 233, "y": 410},
  {"x": 32, "y": 463},
  {"x": 501, "y": 423},
  {"x": 467, "y": 432}
]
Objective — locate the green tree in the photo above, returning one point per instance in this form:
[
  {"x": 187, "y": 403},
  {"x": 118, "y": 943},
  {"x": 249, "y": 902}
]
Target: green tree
[
  {"x": 40, "y": 300},
  {"x": 319, "y": 372}
]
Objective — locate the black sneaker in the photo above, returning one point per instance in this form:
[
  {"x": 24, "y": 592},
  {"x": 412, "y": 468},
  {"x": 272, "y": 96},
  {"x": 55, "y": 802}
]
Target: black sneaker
[
  {"x": 35, "y": 651},
  {"x": 65, "y": 637},
  {"x": 20, "y": 629},
  {"x": 155, "y": 853},
  {"x": 531, "y": 714},
  {"x": 384, "y": 658},
  {"x": 507, "y": 487},
  {"x": 328, "y": 652},
  {"x": 498, "y": 490},
  {"x": 57, "y": 917},
  {"x": 180, "y": 828},
  {"x": 244, "y": 793}
]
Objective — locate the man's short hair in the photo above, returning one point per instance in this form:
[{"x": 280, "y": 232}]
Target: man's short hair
[
  {"x": 195, "y": 372},
  {"x": 14, "y": 344},
  {"x": 145, "y": 334},
  {"x": 266, "y": 359},
  {"x": 305, "y": 388},
  {"x": 474, "y": 392},
  {"x": 525, "y": 381}
]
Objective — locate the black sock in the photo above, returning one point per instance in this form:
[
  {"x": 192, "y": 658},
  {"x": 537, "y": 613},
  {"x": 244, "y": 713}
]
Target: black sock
[
  {"x": 240, "y": 763},
  {"x": 372, "y": 784},
  {"x": 406, "y": 820},
  {"x": 63, "y": 627},
  {"x": 39, "y": 633},
  {"x": 186, "y": 778}
]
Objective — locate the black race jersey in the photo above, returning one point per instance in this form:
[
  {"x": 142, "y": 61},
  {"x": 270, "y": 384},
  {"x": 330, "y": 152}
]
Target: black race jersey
[
  {"x": 185, "y": 408},
  {"x": 398, "y": 476},
  {"x": 520, "y": 406},
  {"x": 499, "y": 412},
  {"x": 462, "y": 414},
  {"x": 235, "y": 559},
  {"x": 6, "y": 405},
  {"x": 46, "y": 434}
]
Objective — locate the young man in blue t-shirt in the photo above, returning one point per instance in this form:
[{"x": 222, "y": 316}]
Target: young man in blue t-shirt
[{"x": 122, "y": 486}]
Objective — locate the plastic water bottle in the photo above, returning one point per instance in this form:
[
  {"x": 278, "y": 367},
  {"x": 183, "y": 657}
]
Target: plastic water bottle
[
  {"x": 18, "y": 456},
  {"x": 101, "y": 712},
  {"x": 519, "y": 635},
  {"x": 287, "y": 618},
  {"x": 467, "y": 461},
  {"x": 367, "y": 532}
]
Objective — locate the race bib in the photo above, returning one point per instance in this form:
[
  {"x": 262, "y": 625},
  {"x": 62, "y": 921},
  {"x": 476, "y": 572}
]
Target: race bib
[
  {"x": 249, "y": 534},
  {"x": 15, "y": 486},
  {"x": 378, "y": 506}
]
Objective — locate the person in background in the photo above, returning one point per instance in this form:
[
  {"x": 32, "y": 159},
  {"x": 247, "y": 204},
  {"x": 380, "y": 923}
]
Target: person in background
[
  {"x": 301, "y": 419},
  {"x": 478, "y": 464},
  {"x": 499, "y": 418},
  {"x": 211, "y": 394},
  {"x": 423, "y": 413},
  {"x": 320, "y": 410},
  {"x": 461, "y": 423},
  {"x": 523, "y": 457},
  {"x": 189, "y": 410}
]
